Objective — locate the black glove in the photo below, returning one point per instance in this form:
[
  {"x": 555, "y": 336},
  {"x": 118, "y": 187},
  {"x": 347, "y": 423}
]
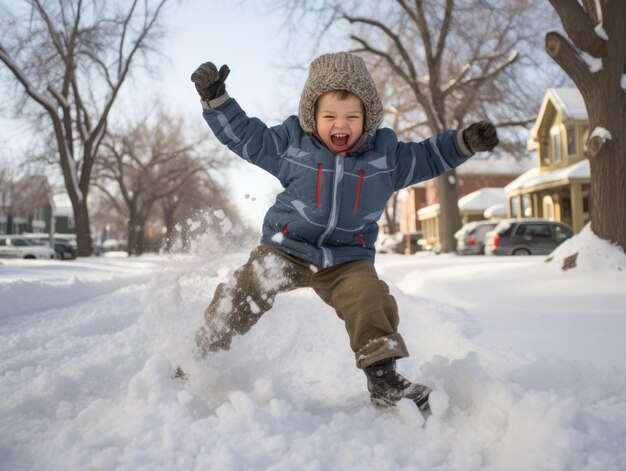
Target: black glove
[
  {"x": 209, "y": 82},
  {"x": 480, "y": 136}
]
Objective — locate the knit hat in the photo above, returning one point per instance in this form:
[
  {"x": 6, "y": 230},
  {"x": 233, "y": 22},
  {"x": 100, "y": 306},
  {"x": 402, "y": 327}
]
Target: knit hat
[{"x": 340, "y": 71}]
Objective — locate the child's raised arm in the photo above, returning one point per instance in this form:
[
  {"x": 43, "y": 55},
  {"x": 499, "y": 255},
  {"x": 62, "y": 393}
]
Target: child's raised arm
[
  {"x": 420, "y": 161},
  {"x": 247, "y": 137}
]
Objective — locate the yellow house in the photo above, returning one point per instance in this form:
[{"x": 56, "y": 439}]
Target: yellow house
[{"x": 558, "y": 188}]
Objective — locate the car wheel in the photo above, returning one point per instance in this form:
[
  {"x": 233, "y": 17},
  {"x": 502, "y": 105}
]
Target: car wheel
[
  {"x": 521, "y": 252},
  {"x": 30, "y": 257}
]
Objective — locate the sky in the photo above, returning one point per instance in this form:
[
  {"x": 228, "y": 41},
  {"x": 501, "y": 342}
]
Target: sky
[{"x": 527, "y": 363}]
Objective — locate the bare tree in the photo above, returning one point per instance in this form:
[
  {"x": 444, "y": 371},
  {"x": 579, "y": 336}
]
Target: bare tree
[
  {"x": 146, "y": 168},
  {"x": 595, "y": 58},
  {"x": 152, "y": 160},
  {"x": 460, "y": 60},
  {"x": 71, "y": 57}
]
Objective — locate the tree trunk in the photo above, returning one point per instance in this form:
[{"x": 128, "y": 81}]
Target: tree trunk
[
  {"x": 449, "y": 217},
  {"x": 83, "y": 231},
  {"x": 390, "y": 214},
  {"x": 597, "y": 28},
  {"x": 607, "y": 159}
]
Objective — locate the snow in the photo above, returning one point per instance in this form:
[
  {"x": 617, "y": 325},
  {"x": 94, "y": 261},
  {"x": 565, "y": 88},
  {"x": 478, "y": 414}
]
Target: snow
[
  {"x": 602, "y": 133},
  {"x": 482, "y": 199},
  {"x": 527, "y": 361},
  {"x": 495, "y": 211},
  {"x": 490, "y": 165},
  {"x": 594, "y": 63},
  {"x": 579, "y": 170},
  {"x": 570, "y": 101}
]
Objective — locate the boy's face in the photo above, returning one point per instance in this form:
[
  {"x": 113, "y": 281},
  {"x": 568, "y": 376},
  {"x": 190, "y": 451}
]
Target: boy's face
[{"x": 339, "y": 122}]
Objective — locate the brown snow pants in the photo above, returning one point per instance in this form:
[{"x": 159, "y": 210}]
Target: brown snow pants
[{"x": 353, "y": 289}]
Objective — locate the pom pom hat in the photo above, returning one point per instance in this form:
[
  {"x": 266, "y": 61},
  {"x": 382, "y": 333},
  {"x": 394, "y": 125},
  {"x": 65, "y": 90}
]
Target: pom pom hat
[{"x": 340, "y": 71}]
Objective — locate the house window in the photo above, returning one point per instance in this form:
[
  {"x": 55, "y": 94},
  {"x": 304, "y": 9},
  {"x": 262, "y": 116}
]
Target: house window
[
  {"x": 3, "y": 227},
  {"x": 556, "y": 144},
  {"x": 571, "y": 141}
]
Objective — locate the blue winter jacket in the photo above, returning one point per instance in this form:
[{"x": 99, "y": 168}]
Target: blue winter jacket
[{"x": 328, "y": 211}]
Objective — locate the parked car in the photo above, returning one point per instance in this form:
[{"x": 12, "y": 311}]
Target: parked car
[
  {"x": 396, "y": 243},
  {"x": 470, "y": 239},
  {"x": 64, "y": 246},
  {"x": 16, "y": 246},
  {"x": 527, "y": 237}
]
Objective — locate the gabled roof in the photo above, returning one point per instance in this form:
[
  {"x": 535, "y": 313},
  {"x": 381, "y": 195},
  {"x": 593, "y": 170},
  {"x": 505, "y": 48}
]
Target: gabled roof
[
  {"x": 565, "y": 101},
  {"x": 570, "y": 102}
]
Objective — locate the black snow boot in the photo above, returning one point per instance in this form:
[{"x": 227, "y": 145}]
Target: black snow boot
[{"x": 387, "y": 387}]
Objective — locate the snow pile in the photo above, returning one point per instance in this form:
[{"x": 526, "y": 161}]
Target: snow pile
[
  {"x": 527, "y": 362},
  {"x": 591, "y": 253}
]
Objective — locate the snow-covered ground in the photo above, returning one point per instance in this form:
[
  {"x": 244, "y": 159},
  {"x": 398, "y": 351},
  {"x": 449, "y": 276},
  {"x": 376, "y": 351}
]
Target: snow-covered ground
[{"x": 528, "y": 363}]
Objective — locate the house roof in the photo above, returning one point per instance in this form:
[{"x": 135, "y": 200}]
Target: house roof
[
  {"x": 478, "y": 200},
  {"x": 533, "y": 177},
  {"x": 492, "y": 165},
  {"x": 570, "y": 102},
  {"x": 567, "y": 101},
  {"x": 482, "y": 199}
]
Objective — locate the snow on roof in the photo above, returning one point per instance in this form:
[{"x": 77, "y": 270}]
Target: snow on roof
[
  {"x": 534, "y": 177},
  {"x": 478, "y": 200},
  {"x": 495, "y": 166},
  {"x": 497, "y": 210},
  {"x": 482, "y": 199},
  {"x": 428, "y": 210},
  {"x": 570, "y": 101}
]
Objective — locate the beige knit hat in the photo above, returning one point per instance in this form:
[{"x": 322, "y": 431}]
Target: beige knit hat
[{"x": 340, "y": 71}]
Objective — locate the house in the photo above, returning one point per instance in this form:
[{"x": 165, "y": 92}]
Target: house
[
  {"x": 558, "y": 188},
  {"x": 421, "y": 208},
  {"x": 25, "y": 205}
]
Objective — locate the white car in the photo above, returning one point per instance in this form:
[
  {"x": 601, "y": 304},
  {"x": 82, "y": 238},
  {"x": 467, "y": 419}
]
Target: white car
[{"x": 15, "y": 246}]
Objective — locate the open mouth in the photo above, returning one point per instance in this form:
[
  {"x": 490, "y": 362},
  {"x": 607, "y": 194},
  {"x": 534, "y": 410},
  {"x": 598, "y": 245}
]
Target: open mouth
[{"x": 340, "y": 140}]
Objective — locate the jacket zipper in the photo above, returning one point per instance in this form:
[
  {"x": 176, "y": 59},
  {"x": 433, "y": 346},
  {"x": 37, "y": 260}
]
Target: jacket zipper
[
  {"x": 327, "y": 258},
  {"x": 358, "y": 190},
  {"x": 318, "y": 199}
]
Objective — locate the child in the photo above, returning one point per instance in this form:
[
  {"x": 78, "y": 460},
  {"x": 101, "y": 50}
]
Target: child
[{"x": 338, "y": 170}]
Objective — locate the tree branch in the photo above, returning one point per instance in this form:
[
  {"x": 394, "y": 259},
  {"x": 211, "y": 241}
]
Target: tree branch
[
  {"x": 568, "y": 59},
  {"x": 579, "y": 27}
]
